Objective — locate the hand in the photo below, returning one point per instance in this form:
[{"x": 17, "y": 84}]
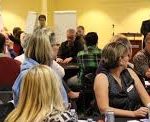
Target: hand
[
  {"x": 141, "y": 112},
  {"x": 67, "y": 60},
  {"x": 59, "y": 60}
]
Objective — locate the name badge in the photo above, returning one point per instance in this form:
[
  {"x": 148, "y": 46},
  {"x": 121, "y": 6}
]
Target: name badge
[{"x": 130, "y": 88}]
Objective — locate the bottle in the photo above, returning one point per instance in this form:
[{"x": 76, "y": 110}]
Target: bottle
[
  {"x": 74, "y": 115},
  {"x": 148, "y": 105},
  {"x": 109, "y": 116}
]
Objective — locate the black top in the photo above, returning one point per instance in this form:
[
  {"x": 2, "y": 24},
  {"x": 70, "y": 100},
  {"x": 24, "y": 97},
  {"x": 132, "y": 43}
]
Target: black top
[
  {"x": 66, "y": 51},
  {"x": 126, "y": 97}
]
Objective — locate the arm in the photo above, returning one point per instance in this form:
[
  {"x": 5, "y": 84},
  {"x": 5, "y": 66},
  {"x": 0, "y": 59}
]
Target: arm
[
  {"x": 59, "y": 69},
  {"x": 101, "y": 93},
  {"x": 140, "y": 88}
]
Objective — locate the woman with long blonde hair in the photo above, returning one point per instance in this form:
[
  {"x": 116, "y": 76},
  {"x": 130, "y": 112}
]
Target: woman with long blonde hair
[{"x": 40, "y": 98}]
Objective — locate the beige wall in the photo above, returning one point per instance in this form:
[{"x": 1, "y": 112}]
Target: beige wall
[
  {"x": 99, "y": 15},
  {"x": 95, "y": 15},
  {"x": 14, "y": 12}
]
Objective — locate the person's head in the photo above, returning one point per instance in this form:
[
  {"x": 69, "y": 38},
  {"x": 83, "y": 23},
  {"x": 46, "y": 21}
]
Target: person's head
[
  {"x": 115, "y": 54},
  {"x": 39, "y": 95},
  {"x": 147, "y": 43},
  {"x": 24, "y": 38},
  {"x": 91, "y": 39},
  {"x": 71, "y": 33},
  {"x": 54, "y": 43},
  {"x": 15, "y": 30},
  {"x": 42, "y": 20},
  {"x": 2, "y": 42},
  {"x": 80, "y": 31},
  {"x": 39, "y": 48},
  {"x": 123, "y": 39}
]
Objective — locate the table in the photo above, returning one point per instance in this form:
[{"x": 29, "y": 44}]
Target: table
[{"x": 70, "y": 70}]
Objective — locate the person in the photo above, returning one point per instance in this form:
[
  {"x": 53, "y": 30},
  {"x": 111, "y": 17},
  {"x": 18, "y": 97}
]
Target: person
[
  {"x": 118, "y": 88},
  {"x": 80, "y": 31},
  {"x": 145, "y": 28},
  {"x": 88, "y": 60},
  {"x": 142, "y": 60},
  {"x": 55, "y": 47},
  {"x": 16, "y": 40},
  {"x": 33, "y": 56},
  {"x": 9, "y": 68},
  {"x": 80, "y": 36},
  {"x": 123, "y": 39},
  {"x": 68, "y": 50},
  {"x": 42, "y": 21},
  {"x": 24, "y": 38},
  {"x": 40, "y": 98}
]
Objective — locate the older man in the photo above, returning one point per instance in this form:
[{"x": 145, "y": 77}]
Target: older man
[{"x": 68, "y": 50}]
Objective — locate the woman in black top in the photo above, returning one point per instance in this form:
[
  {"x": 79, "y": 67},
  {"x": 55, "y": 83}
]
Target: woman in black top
[{"x": 117, "y": 87}]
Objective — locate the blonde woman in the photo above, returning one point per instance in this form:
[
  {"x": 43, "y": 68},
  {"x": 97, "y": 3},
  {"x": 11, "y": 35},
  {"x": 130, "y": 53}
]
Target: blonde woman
[
  {"x": 40, "y": 98},
  {"x": 38, "y": 51}
]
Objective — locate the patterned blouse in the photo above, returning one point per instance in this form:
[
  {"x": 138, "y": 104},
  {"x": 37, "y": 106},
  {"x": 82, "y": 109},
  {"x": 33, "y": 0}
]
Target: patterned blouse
[{"x": 58, "y": 116}]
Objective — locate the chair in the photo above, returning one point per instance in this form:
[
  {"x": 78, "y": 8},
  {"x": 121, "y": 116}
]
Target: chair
[
  {"x": 6, "y": 96},
  {"x": 88, "y": 93}
]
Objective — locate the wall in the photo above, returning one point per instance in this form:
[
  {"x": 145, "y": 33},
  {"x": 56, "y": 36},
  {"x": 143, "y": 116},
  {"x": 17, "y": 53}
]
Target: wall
[
  {"x": 100, "y": 15},
  {"x": 95, "y": 15},
  {"x": 14, "y": 12}
]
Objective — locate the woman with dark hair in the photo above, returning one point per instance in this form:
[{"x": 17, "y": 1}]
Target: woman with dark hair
[{"x": 118, "y": 88}]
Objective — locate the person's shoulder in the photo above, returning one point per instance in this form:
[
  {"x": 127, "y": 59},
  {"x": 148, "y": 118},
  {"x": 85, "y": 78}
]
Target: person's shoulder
[
  {"x": 81, "y": 53},
  {"x": 139, "y": 54}
]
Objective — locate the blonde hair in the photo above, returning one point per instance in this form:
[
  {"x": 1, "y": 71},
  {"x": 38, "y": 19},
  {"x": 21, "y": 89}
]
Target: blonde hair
[
  {"x": 40, "y": 95},
  {"x": 39, "y": 48}
]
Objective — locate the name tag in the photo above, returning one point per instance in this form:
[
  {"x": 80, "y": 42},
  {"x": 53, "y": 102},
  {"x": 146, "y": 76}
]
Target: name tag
[{"x": 130, "y": 88}]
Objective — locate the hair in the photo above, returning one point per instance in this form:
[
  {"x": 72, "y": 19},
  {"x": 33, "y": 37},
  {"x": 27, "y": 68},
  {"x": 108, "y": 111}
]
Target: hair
[
  {"x": 71, "y": 30},
  {"x": 40, "y": 95},
  {"x": 15, "y": 30},
  {"x": 80, "y": 26},
  {"x": 122, "y": 39},
  {"x": 2, "y": 42},
  {"x": 24, "y": 40},
  {"x": 42, "y": 16},
  {"x": 111, "y": 54},
  {"x": 91, "y": 38},
  {"x": 39, "y": 48}
]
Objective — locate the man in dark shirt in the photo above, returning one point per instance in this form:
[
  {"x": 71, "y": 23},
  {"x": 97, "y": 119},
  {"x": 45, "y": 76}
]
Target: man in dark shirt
[{"x": 68, "y": 50}]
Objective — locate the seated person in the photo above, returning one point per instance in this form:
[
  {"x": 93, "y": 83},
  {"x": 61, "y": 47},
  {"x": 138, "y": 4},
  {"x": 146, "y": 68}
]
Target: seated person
[
  {"x": 40, "y": 98},
  {"x": 88, "y": 60},
  {"x": 142, "y": 60},
  {"x": 68, "y": 50},
  {"x": 9, "y": 68},
  {"x": 118, "y": 88},
  {"x": 33, "y": 56},
  {"x": 55, "y": 47}
]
